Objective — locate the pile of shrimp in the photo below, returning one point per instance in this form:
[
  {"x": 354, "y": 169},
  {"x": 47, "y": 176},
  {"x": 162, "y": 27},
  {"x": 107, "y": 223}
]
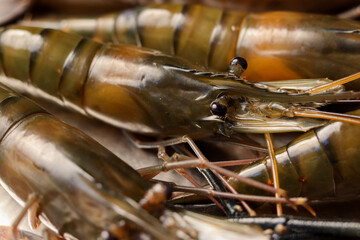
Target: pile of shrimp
[{"x": 247, "y": 114}]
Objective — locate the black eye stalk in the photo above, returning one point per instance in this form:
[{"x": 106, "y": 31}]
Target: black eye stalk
[
  {"x": 238, "y": 65},
  {"x": 218, "y": 109}
]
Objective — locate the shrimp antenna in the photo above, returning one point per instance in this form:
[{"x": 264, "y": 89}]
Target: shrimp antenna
[
  {"x": 328, "y": 86},
  {"x": 327, "y": 115}
]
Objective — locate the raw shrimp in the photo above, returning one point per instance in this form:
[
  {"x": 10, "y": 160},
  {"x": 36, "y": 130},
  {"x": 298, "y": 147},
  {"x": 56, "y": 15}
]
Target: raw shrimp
[
  {"x": 277, "y": 45},
  {"x": 148, "y": 92}
]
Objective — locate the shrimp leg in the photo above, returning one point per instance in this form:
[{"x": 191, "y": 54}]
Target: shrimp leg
[
  {"x": 274, "y": 170},
  {"x": 31, "y": 207},
  {"x": 206, "y": 192},
  {"x": 203, "y": 161},
  {"x": 212, "y": 177},
  {"x": 177, "y": 157},
  {"x": 223, "y": 186}
]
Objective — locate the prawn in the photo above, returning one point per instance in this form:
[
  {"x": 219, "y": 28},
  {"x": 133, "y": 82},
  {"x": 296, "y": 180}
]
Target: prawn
[
  {"x": 296, "y": 46},
  {"x": 148, "y": 92}
]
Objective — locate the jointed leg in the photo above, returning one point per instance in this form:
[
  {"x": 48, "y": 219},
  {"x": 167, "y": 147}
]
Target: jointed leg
[
  {"x": 274, "y": 171},
  {"x": 31, "y": 206}
]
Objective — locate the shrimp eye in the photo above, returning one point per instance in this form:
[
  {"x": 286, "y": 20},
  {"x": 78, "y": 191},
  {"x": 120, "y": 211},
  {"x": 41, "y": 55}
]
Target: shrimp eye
[
  {"x": 106, "y": 235},
  {"x": 239, "y": 61},
  {"x": 218, "y": 109},
  {"x": 238, "y": 65}
]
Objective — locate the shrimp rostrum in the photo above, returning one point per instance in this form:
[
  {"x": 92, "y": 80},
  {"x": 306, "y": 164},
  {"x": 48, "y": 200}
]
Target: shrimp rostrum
[
  {"x": 81, "y": 190},
  {"x": 148, "y": 92}
]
